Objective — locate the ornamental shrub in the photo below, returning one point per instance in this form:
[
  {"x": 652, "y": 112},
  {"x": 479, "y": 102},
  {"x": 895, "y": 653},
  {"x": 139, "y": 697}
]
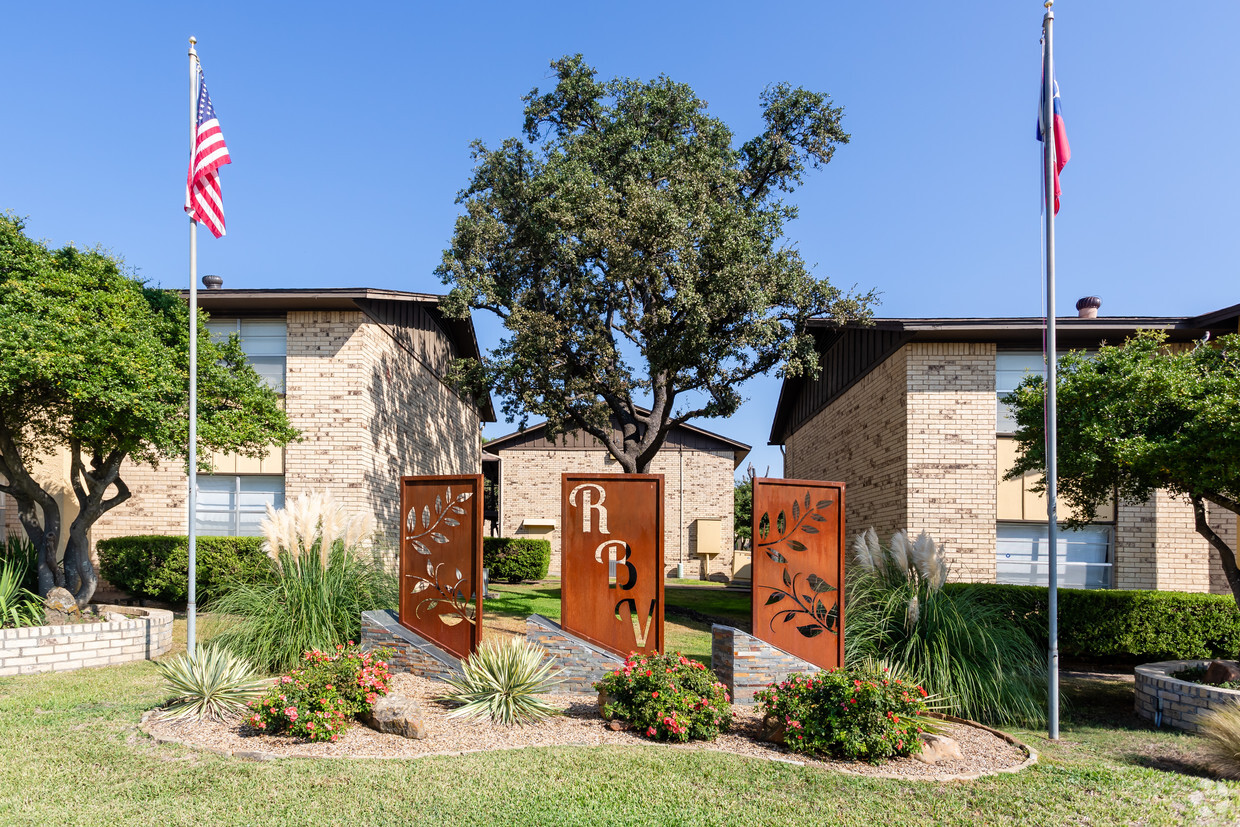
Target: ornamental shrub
[
  {"x": 319, "y": 701},
  {"x": 847, "y": 714},
  {"x": 156, "y": 566},
  {"x": 667, "y": 697},
  {"x": 514, "y": 559}
]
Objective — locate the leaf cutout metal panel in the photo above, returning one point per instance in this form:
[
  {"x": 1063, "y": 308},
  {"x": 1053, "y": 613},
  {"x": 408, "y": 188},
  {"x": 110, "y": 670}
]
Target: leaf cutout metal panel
[
  {"x": 612, "y": 560},
  {"x": 798, "y": 568},
  {"x": 441, "y": 560}
]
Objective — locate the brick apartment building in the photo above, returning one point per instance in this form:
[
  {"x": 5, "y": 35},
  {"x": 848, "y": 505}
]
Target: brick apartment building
[
  {"x": 361, "y": 375},
  {"x": 907, "y": 413},
  {"x": 697, "y": 466}
]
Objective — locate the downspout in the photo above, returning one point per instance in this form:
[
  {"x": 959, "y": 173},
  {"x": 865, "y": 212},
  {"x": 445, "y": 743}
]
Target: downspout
[{"x": 680, "y": 570}]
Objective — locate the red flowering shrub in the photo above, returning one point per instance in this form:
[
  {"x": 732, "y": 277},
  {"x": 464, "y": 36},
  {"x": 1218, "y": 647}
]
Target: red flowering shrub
[
  {"x": 667, "y": 697},
  {"x": 319, "y": 700},
  {"x": 847, "y": 714}
]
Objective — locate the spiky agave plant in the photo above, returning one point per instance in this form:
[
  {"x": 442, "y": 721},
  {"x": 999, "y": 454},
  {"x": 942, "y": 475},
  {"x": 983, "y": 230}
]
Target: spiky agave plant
[
  {"x": 209, "y": 683},
  {"x": 503, "y": 682}
]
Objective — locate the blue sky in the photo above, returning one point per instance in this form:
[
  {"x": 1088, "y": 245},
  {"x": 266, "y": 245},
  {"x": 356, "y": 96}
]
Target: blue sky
[{"x": 349, "y": 128}]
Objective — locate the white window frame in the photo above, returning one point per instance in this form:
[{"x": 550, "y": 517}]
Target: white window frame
[
  {"x": 1079, "y": 566},
  {"x": 266, "y": 347},
  {"x": 242, "y": 519}
]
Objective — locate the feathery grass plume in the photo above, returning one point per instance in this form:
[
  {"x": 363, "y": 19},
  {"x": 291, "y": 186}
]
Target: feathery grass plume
[
  {"x": 209, "y": 683},
  {"x": 318, "y": 589},
  {"x": 862, "y": 553},
  {"x": 503, "y": 682},
  {"x": 1221, "y": 729},
  {"x": 898, "y": 551},
  {"x": 951, "y": 643}
]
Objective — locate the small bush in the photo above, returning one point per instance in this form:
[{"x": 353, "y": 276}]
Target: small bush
[
  {"x": 503, "y": 681},
  {"x": 515, "y": 559},
  {"x": 18, "y": 605},
  {"x": 667, "y": 697},
  {"x": 318, "y": 701},
  {"x": 1113, "y": 625},
  {"x": 156, "y": 566},
  {"x": 18, "y": 550},
  {"x": 209, "y": 683},
  {"x": 847, "y": 714},
  {"x": 1221, "y": 729}
]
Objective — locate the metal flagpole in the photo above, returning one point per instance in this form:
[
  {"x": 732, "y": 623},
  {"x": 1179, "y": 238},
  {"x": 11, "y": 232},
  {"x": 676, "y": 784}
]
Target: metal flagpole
[
  {"x": 191, "y": 607},
  {"x": 1052, "y": 379}
]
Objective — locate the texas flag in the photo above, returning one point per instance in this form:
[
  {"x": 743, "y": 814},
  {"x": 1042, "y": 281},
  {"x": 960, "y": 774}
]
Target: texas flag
[{"x": 1062, "y": 151}]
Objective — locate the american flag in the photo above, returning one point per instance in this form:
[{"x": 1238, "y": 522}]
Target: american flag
[{"x": 202, "y": 190}]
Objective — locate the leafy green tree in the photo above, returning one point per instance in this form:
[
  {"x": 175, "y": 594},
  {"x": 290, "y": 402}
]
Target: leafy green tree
[
  {"x": 1139, "y": 417},
  {"x": 742, "y": 501},
  {"x": 95, "y": 362},
  {"x": 633, "y": 252}
]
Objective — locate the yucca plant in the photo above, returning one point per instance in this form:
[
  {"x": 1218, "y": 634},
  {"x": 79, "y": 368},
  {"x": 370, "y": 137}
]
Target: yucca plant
[
  {"x": 210, "y": 683},
  {"x": 951, "y": 643},
  {"x": 18, "y": 549},
  {"x": 321, "y": 582},
  {"x": 503, "y": 682},
  {"x": 1221, "y": 729},
  {"x": 18, "y": 605}
]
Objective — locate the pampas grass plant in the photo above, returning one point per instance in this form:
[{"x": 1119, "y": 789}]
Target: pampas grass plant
[
  {"x": 503, "y": 682},
  {"x": 209, "y": 683},
  {"x": 322, "y": 579},
  {"x": 1221, "y": 730},
  {"x": 949, "y": 642}
]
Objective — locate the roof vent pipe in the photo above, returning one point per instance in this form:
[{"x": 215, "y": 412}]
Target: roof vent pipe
[
  {"x": 1087, "y": 308},
  {"x": 212, "y": 282}
]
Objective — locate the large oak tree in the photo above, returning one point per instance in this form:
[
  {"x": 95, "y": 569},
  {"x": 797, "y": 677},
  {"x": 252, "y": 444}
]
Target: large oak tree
[
  {"x": 94, "y": 362},
  {"x": 635, "y": 254},
  {"x": 1138, "y": 417}
]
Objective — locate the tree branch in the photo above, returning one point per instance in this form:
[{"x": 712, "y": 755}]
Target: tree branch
[{"x": 1226, "y": 556}]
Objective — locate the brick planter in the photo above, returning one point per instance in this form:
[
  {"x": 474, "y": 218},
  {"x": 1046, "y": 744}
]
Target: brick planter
[
  {"x": 33, "y": 649},
  {"x": 1170, "y": 702},
  {"x": 580, "y": 662},
  {"x": 745, "y": 664}
]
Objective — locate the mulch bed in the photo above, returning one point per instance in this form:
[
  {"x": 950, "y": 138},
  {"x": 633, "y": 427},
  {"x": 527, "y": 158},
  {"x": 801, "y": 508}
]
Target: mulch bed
[{"x": 985, "y": 751}]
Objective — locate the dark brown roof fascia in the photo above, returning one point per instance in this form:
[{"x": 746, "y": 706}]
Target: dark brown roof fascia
[{"x": 739, "y": 449}]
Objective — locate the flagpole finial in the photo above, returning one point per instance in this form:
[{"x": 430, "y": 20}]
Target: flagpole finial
[
  {"x": 192, "y": 41},
  {"x": 1048, "y": 4}
]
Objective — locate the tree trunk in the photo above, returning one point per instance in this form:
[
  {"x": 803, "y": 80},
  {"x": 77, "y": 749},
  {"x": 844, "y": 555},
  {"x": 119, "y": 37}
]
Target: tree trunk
[{"x": 1226, "y": 556}]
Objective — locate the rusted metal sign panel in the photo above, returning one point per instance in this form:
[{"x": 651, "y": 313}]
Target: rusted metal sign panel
[
  {"x": 611, "y": 556},
  {"x": 441, "y": 560},
  {"x": 798, "y": 568}
]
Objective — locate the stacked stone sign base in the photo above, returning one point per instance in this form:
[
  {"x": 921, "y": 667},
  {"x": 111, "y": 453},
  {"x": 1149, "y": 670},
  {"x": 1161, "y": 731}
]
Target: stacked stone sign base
[
  {"x": 745, "y": 664},
  {"x": 580, "y": 663},
  {"x": 1170, "y": 702},
  {"x": 410, "y": 651}
]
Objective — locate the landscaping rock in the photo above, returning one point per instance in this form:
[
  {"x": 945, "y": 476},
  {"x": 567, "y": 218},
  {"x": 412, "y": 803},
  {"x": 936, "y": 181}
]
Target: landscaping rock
[
  {"x": 603, "y": 700},
  {"x": 617, "y": 726},
  {"x": 397, "y": 715},
  {"x": 1222, "y": 671},
  {"x": 59, "y": 607},
  {"x": 938, "y": 748},
  {"x": 773, "y": 729}
]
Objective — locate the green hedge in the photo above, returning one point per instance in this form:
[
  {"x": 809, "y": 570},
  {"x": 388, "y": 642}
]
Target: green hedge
[
  {"x": 1126, "y": 626},
  {"x": 513, "y": 559},
  {"x": 156, "y": 566}
]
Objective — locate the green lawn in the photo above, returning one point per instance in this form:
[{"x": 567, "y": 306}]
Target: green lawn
[
  {"x": 687, "y": 616},
  {"x": 70, "y": 755}
]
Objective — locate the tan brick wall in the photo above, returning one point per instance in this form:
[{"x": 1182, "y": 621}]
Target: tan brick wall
[
  {"x": 368, "y": 413},
  {"x": 952, "y": 452},
  {"x": 1158, "y": 547},
  {"x": 530, "y": 489},
  {"x": 859, "y": 440}
]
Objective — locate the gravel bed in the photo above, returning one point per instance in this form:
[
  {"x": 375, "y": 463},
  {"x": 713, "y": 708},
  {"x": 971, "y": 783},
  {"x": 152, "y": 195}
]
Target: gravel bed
[{"x": 579, "y": 725}]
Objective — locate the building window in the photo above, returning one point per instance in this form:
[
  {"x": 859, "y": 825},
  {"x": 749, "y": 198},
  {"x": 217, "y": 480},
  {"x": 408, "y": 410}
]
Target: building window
[
  {"x": 264, "y": 342},
  {"x": 235, "y": 506},
  {"x": 1085, "y": 560},
  {"x": 1011, "y": 366}
]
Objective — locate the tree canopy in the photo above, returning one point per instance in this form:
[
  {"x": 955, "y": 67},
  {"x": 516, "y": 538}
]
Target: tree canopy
[
  {"x": 635, "y": 254},
  {"x": 1138, "y": 417},
  {"x": 95, "y": 362}
]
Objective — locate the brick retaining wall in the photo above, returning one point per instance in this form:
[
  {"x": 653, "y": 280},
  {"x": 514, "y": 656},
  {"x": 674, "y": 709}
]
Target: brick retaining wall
[
  {"x": 33, "y": 649},
  {"x": 745, "y": 664},
  {"x": 1170, "y": 702},
  {"x": 580, "y": 663},
  {"x": 410, "y": 651}
]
